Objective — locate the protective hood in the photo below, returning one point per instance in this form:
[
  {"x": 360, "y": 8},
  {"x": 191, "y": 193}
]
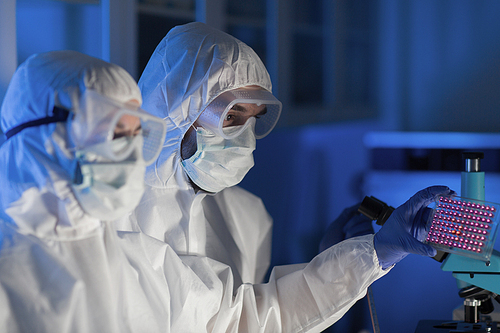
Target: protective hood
[
  {"x": 37, "y": 163},
  {"x": 190, "y": 67}
]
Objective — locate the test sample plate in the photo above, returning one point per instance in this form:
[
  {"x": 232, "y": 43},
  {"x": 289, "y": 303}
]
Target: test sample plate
[{"x": 464, "y": 226}]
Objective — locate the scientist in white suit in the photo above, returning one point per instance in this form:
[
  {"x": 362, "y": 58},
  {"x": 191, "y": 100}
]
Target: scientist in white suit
[
  {"x": 214, "y": 94},
  {"x": 74, "y": 160}
]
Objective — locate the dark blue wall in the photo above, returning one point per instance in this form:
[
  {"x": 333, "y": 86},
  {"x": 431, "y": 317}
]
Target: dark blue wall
[{"x": 437, "y": 69}]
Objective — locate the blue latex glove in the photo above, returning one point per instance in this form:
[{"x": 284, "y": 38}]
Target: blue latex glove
[
  {"x": 407, "y": 226},
  {"x": 349, "y": 224}
]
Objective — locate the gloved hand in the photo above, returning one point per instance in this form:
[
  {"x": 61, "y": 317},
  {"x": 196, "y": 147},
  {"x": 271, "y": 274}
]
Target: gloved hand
[
  {"x": 407, "y": 226},
  {"x": 349, "y": 224}
]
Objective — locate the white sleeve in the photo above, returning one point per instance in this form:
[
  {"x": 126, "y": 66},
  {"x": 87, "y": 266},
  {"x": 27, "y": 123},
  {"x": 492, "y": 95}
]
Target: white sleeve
[
  {"x": 297, "y": 298},
  {"x": 314, "y": 298}
]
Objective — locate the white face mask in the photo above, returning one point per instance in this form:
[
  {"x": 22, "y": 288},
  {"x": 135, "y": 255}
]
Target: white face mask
[
  {"x": 108, "y": 190},
  {"x": 219, "y": 163}
]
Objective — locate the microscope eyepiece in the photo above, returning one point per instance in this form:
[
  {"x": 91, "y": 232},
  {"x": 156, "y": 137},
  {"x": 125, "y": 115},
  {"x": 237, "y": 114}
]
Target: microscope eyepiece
[{"x": 375, "y": 209}]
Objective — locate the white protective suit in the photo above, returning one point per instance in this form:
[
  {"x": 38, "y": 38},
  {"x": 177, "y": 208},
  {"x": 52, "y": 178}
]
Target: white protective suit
[
  {"x": 62, "y": 270},
  {"x": 219, "y": 244}
]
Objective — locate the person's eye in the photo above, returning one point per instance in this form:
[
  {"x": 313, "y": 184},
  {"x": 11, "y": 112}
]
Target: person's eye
[
  {"x": 118, "y": 135},
  {"x": 232, "y": 120}
]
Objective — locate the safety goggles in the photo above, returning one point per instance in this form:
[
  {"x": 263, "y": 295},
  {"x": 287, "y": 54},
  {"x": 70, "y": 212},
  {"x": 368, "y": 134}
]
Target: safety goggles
[
  {"x": 235, "y": 107},
  {"x": 111, "y": 129}
]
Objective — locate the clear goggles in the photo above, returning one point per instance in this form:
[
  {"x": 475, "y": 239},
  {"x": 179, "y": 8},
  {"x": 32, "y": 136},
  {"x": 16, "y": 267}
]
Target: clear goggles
[
  {"x": 100, "y": 125},
  {"x": 235, "y": 107}
]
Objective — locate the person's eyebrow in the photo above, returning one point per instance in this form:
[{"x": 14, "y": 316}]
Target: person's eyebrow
[
  {"x": 240, "y": 108},
  {"x": 237, "y": 107}
]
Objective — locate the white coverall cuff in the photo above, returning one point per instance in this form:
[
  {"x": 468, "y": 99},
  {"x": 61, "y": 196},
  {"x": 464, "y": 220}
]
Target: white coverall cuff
[{"x": 376, "y": 257}]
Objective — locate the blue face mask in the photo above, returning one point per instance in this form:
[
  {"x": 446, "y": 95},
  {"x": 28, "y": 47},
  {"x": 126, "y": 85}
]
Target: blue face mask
[
  {"x": 107, "y": 189},
  {"x": 219, "y": 163}
]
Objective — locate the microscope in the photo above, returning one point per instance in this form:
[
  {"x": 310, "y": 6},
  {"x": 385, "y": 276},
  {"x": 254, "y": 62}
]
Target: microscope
[
  {"x": 463, "y": 231},
  {"x": 478, "y": 277}
]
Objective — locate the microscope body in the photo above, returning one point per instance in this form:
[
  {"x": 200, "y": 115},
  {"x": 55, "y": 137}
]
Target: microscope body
[
  {"x": 476, "y": 272},
  {"x": 479, "y": 280},
  {"x": 465, "y": 269}
]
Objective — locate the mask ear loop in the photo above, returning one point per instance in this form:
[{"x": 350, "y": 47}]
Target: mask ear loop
[
  {"x": 196, "y": 129},
  {"x": 77, "y": 175}
]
